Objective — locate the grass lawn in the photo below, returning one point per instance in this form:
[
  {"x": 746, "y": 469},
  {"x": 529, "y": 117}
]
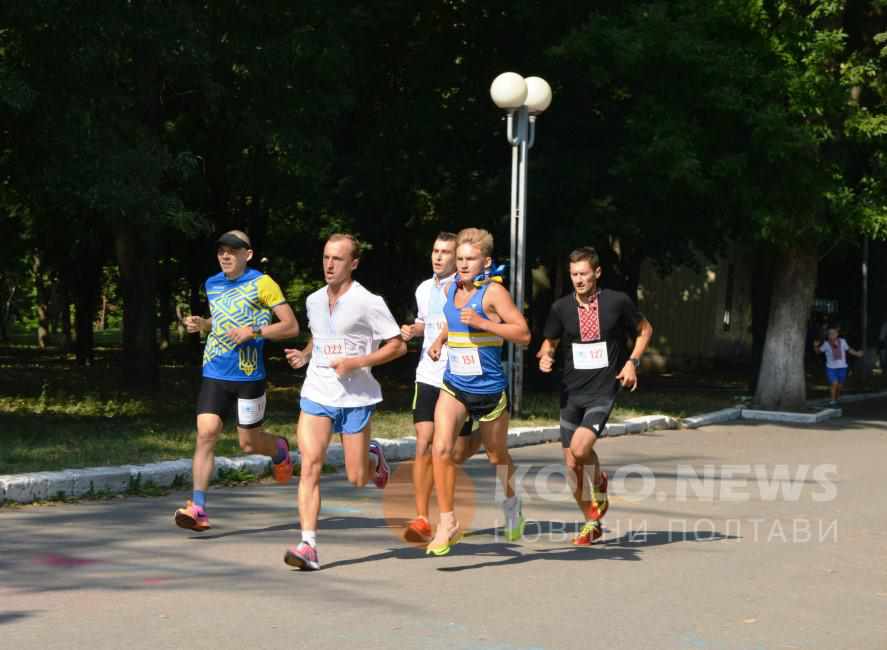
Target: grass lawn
[{"x": 57, "y": 415}]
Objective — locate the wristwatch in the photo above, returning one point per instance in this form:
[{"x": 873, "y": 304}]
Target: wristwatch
[
  {"x": 635, "y": 361},
  {"x": 257, "y": 331}
]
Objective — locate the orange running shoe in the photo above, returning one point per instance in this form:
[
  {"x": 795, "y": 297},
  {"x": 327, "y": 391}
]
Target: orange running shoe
[
  {"x": 418, "y": 531},
  {"x": 192, "y": 517},
  {"x": 599, "y": 502},
  {"x": 283, "y": 471},
  {"x": 590, "y": 533}
]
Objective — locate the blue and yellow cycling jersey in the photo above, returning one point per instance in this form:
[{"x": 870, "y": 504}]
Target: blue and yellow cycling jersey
[{"x": 245, "y": 301}]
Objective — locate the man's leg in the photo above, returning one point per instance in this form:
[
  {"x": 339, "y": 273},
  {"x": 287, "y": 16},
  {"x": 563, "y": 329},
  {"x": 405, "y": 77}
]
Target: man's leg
[
  {"x": 586, "y": 467},
  {"x": 591, "y": 484},
  {"x": 495, "y": 438},
  {"x": 467, "y": 444},
  {"x": 314, "y": 433},
  {"x": 360, "y": 464},
  {"x": 418, "y": 530},
  {"x": 253, "y": 438},
  {"x": 449, "y": 416},
  {"x": 193, "y": 515},
  {"x": 209, "y": 427}
]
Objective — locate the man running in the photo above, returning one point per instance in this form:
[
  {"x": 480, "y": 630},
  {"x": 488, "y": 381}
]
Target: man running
[
  {"x": 430, "y": 299},
  {"x": 593, "y": 324},
  {"x": 241, "y": 302},
  {"x": 480, "y": 316},
  {"x": 352, "y": 330}
]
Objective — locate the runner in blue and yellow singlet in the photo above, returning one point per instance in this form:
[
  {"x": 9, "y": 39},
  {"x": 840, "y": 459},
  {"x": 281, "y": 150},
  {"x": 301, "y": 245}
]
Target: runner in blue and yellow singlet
[
  {"x": 480, "y": 316},
  {"x": 242, "y": 304}
]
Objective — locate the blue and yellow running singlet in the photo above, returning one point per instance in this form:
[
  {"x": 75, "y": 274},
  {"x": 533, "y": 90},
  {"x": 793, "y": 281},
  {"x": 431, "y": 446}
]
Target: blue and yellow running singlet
[
  {"x": 474, "y": 357},
  {"x": 246, "y": 301}
]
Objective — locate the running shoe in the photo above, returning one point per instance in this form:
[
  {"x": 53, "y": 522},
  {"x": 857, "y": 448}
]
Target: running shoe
[
  {"x": 590, "y": 532},
  {"x": 304, "y": 557},
  {"x": 455, "y": 537},
  {"x": 382, "y": 470},
  {"x": 283, "y": 471},
  {"x": 599, "y": 502},
  {"x": 418, "y": 531},
  {"x": 192, "y": 517},
  {"x": 514, "y": 522}
]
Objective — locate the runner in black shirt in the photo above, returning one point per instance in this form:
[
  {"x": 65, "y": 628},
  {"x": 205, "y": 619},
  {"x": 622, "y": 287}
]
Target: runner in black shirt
[{"x": 594, "y": 325}]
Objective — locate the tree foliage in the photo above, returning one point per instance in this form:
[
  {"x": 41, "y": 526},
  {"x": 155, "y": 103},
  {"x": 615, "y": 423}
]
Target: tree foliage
[{"x": 134, "y": 132}]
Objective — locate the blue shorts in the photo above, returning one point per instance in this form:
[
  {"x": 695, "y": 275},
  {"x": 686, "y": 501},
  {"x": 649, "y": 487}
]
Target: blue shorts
[
  {"x": 838, "y": 375},
  {"x": 346, "y": 419}
]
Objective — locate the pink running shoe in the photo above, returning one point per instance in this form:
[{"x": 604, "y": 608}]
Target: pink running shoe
[
  {"x": 304, "y": 557},
  {"x": 382, "y": 469},
  {"x": 192, "y": 517}
]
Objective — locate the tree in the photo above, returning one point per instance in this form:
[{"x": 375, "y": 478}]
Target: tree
[{"x": 834, "y": 80}]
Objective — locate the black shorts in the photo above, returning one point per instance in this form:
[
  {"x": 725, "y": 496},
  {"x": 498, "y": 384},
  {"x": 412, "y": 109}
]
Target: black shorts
[
  {"x": 589, "y": 412},
  {"x": 220, "y": 397},
  {"x": 481, "y": 407},
  {"x": 424, "y": 401}
]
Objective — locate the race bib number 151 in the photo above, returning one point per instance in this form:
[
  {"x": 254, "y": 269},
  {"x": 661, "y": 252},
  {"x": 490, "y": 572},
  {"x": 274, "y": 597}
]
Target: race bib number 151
[{"x": 464, "y": 362}]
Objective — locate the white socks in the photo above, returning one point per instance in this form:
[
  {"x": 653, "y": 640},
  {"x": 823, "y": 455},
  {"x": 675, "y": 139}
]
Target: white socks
[{"x": 310, "y": 537}]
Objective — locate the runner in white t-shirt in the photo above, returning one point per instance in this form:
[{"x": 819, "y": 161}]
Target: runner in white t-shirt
[
  {"x": 352, "y": 330},
  {"x": 430, "y": 320},
  {"x": 835, "y": 349}
]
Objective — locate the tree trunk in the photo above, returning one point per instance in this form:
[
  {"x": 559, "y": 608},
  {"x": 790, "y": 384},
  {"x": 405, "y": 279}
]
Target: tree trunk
[
  {"x": 781, "y": 383},
  {"x": 64, "y": 316},
  {"x": 166, "y": 310},
  {"x": 103, "y": 312},
  {"x": 761, "y": 294},
  {"x": 88, "y": 279},
  {"x": 134, "y": 249},
  {"x": 7, "y": 310},
  {"x": 42, "y": 304}
]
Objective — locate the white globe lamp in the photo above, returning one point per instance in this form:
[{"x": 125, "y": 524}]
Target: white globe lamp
[
  {"x": 509, "y": 91},
  {"x": 538, "y": 94}
]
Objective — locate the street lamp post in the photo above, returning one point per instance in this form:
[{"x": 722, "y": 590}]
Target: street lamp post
[{"x": 522, "y": 99}]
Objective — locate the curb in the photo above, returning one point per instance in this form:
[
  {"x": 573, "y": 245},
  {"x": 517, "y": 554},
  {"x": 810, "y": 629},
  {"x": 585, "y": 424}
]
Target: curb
[
  {"x": 739, "y": 413},
  {"x": 40, "y": 486},
  {"x": 825, "y": 413}
]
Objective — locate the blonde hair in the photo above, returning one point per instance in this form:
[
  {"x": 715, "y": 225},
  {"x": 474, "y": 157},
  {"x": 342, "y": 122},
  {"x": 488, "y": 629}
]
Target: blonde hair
[
  {"x": 477, "y": 237},
  {"x": 355, "y": 245}
]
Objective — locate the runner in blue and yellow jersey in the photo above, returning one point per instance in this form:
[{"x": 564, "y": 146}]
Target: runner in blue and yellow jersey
[
  {"x": 480, "y": 316},
  {"x": 242, "y": 304}
]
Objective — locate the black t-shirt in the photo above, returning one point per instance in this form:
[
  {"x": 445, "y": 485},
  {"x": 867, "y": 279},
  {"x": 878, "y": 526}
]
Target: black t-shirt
[{"x": 619, "y": 319}]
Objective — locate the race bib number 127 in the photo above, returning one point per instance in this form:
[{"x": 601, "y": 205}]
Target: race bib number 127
[{"x": 590, "y": 356}]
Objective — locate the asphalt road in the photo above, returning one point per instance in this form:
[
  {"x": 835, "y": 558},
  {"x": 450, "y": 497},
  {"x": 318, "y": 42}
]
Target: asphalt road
[{"x": 741, "y": 536}]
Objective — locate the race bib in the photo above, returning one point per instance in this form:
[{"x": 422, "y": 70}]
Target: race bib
[
  {"x": 590, "y": 356},
  {"x": 464, "y": 362},
  {"x": 433, "y": 328},
  {"x": 250, "y": 411},
  {"x": 326, "y": 349}
]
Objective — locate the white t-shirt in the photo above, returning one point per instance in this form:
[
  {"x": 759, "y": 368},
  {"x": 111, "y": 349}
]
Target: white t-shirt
[
  {"x": 830, "y": 360},
  {"x": 430, "y": 300},
  {"x": 360, "y": 321}
]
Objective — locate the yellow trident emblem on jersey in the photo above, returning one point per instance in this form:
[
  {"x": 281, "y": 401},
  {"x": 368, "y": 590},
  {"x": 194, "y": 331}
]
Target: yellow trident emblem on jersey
[{"x": 249, "y": 359}]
